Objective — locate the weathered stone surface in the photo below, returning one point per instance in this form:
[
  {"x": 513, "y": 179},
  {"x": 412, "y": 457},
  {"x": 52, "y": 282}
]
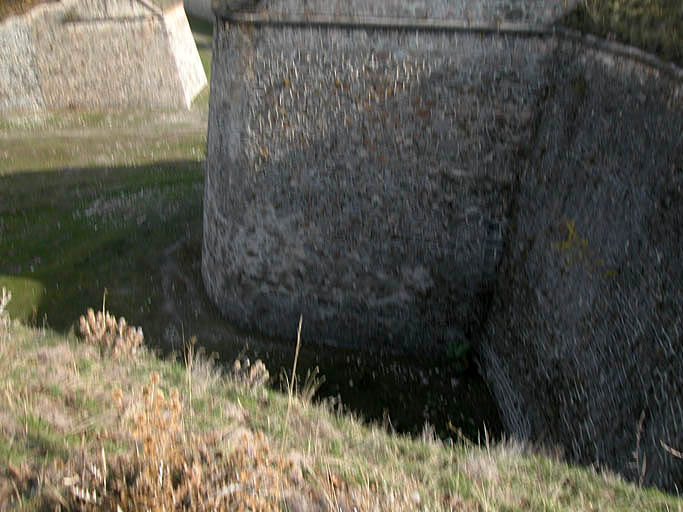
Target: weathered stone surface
[
  {"x": 536, "y": 12},
  {"x": 227, "y": 7},
  {"x": 183, "y": 49},
  {"x": 585, "y": 331},
  {"x": 97, "y": 54},
  {"x": 362, "y": 178},
  {"x": 407, "y": 189},
  {"x": 19, "y": 87}
]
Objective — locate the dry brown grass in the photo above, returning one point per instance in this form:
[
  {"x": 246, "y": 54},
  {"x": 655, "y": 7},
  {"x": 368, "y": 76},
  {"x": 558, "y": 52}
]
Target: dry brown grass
[
  {"x": 145, "y": 446},
  {"x": 5, "y": 297},
  {"x": 81, "y": 430},
  {"x": 173, "y": 469},
  {"x": 102, "y": 330}
]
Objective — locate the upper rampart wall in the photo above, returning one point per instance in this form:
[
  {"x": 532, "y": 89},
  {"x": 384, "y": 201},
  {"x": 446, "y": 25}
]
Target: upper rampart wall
[{"x": 94, "y": 54}]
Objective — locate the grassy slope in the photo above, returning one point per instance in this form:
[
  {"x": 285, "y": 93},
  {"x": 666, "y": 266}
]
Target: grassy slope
[{"x": 59, "y": 415}]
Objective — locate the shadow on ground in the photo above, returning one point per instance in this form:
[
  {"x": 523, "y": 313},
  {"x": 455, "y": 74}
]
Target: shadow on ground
[{"x": 68, "y": 235}]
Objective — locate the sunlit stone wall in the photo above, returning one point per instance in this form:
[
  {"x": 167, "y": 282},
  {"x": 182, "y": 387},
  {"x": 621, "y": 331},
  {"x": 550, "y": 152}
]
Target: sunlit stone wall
[
  {"x": 99, "y": 54},
  {"x": 361, "y": 177}
]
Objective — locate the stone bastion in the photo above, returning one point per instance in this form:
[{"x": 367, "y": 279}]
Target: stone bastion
[
  {"x": 415, "y": 176},
  {"x": 99, "y": 54}
]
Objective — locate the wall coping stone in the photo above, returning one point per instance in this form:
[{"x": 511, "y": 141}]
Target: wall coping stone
[{"x": 254, "y": 12}]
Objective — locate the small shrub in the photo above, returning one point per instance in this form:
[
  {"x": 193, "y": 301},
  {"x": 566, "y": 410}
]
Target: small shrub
[
  {"x": 4, "y": 300},
  {"x": 104, "y": 331},
  {"x": 175, "y": 470}
]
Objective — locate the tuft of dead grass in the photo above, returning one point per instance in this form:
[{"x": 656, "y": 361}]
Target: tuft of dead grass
[
  {"x": 5, "y": 298},
  {"x": 173, "y": 469},
  {"x": 251, "y": 376},
  {"x": 102, "y": 330}
]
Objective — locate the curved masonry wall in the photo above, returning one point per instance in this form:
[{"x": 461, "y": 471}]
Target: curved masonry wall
[
  {"x": 78, "y": 54},
  {"x": 412, "y": 188},
  {"x": 388, "y": 187}
]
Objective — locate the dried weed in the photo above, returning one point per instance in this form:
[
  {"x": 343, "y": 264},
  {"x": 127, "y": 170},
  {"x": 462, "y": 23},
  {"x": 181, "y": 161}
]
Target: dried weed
[{"x": 103, "y": 330}]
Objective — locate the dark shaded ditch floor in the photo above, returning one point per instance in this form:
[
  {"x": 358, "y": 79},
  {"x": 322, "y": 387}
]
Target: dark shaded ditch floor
[{"x": 402, "y": 392}]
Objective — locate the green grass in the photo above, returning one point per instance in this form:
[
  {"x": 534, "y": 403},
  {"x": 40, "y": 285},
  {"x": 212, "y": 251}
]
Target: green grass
[
  {"x": 201, "y": 29},
  {"x": 653, "y": 25},
  {"x": 95, "y": 229},
  {"x": 64, "y": 416},
  {"x": 78, "y": 141}
]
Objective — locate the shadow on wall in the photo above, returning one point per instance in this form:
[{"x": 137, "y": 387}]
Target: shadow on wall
[
  {"x": 200, "y": 9},
  {"x": 584, "y": 336}
]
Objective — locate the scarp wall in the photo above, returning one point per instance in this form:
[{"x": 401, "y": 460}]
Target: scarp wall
[
  {"x": 583, "y": 339},
  {"x": 361, "y": 177}
]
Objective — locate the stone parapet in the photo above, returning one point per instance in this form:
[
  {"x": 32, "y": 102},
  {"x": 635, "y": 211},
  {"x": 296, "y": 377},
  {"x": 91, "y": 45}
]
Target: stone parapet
[{"x": 491, "y": 12}]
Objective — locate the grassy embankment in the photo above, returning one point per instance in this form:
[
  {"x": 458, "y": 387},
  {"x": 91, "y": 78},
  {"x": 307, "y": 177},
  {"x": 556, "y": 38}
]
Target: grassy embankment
[
  {"x": 81, "y": 426},
  {"x": 90, "y": 201},
  {"x": 655, "y": 26}
]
